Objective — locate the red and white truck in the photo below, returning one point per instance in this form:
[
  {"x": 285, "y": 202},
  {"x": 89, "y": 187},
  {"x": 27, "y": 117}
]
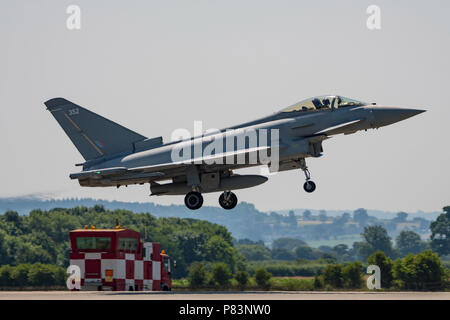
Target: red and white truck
[{"x": 116, "y": 259}]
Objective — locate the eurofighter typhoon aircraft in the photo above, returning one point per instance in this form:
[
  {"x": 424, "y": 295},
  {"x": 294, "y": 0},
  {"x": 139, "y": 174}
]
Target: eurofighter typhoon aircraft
[{"x": 190, "y": 166}]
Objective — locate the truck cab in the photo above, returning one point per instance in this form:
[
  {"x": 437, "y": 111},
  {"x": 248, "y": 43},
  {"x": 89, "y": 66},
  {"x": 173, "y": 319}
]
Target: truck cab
[{"x": 116, "y": 259}]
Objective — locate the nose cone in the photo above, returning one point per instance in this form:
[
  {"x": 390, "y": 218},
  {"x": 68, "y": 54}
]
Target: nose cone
[{"x": 384, "y": 116}]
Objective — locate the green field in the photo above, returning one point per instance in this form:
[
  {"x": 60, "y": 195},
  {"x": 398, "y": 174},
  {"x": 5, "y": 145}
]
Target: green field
[{"x": 276, "y": 283}]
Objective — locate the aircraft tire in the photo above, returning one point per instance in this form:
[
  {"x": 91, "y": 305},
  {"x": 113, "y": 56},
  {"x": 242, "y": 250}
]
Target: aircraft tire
[
  {"x": 309, "y": 186},
  {"x": 193, "y": 200},
  {"x": 230, "y": 203}
]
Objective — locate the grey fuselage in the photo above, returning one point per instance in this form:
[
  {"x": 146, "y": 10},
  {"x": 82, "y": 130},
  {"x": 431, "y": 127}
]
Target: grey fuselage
[{"x": 300, "y": 136}]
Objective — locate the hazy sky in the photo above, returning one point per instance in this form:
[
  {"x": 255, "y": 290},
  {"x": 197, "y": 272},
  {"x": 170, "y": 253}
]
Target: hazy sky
[{"x": 155, "y": 66}]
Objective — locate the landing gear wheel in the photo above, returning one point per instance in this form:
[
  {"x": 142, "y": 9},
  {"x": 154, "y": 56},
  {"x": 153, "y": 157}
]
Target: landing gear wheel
[
  {"x": 228, "y": 200},
  {"x": 193, "y": 200},
  {"x": 309, "y": 186}
]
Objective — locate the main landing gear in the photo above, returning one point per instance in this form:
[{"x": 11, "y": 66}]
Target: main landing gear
[
  {"x": 309, "y": 186},
  {"x": 228, "y": 200},
  {"x": 194, "y": 200}
]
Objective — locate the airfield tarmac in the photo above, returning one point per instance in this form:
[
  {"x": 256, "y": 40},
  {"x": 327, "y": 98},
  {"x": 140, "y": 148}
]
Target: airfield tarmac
[{"x": 248, "y": 295}]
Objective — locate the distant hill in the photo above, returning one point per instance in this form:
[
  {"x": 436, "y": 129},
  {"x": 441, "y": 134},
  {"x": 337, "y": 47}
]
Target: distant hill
[
  {"x": 374, "y": 213},
  {"x": 231, "y": 219},
  {"x": 23, "y": 205},
  {"x": 245, "y": 221}
]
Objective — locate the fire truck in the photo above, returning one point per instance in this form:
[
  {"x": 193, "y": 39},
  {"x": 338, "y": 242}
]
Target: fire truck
[{"x": 116, "y": 259}]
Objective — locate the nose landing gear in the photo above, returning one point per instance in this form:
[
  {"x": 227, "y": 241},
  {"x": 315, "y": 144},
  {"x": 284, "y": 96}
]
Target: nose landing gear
[{"x": 309, "y": 186}]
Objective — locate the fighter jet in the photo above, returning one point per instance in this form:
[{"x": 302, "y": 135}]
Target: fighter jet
[{"x": 204, "y": 163}]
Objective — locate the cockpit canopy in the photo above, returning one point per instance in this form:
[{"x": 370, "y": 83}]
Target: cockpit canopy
[{"x": 323, "y": 102}]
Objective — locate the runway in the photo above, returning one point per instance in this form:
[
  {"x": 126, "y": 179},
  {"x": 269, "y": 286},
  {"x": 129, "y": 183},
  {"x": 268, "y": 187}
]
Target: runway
[{"x": 247, "y": 295}]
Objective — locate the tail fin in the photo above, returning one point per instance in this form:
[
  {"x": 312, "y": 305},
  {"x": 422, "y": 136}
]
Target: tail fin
[{"x": 93, "y": 135}]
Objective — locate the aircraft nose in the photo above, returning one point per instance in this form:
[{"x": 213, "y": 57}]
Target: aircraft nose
[{"x": 384, "y": 116}]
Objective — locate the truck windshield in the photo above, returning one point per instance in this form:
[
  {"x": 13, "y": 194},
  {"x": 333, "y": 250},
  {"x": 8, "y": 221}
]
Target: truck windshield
[
  {"x": 128, "y": 244},
  {"x": 93, "y": 243}
]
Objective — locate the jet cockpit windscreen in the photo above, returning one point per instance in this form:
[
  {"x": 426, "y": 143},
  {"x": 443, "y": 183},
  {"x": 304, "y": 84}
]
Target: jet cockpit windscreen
[{"x": 323, "y": 102}]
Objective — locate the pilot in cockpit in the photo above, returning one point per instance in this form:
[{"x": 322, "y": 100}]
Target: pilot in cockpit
[{"x": 317, "y": 104}]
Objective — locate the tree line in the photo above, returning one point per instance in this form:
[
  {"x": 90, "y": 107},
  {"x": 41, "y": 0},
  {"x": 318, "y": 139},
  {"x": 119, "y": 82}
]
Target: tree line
[
  {"x": 374, "y": 238},
  {"x": 34, "y": 250},
  {"x": 32, "y": 275},
  {"x": 423, "y": 271},
  {"x": 43, "y": 236}
]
